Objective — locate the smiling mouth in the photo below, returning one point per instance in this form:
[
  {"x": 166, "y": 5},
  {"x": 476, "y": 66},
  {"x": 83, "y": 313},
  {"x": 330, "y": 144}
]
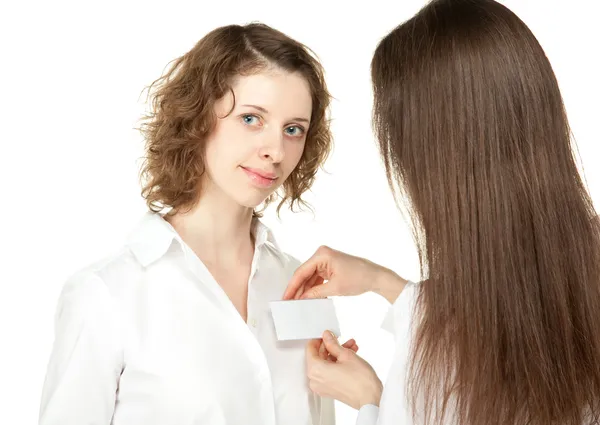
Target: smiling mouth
[{"x": 259, "y": 179}]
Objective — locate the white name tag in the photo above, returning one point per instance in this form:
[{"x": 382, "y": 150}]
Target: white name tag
[{"x": 304, "y": 319}]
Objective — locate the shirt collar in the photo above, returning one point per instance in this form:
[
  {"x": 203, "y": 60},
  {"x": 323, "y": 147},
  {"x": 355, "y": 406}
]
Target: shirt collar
[{"x": 153, "y": 236}]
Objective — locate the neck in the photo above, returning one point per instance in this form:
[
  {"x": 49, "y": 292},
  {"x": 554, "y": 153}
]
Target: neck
[{"x": 217, "y": 229}]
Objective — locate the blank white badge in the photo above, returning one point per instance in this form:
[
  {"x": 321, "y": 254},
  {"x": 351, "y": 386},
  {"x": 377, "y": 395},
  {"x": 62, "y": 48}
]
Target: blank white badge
[{"x": 304, "y": 319}]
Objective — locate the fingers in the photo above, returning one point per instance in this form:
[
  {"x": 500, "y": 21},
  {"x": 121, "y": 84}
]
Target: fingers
[
  {"x": 348, "y": 344},
  {"x": 314, "y": 266},
  {"x": 295, "y": 284},
  {"x": 323, "y": 354},
  {"x": 316, "y": 280},
  {"x": 351, "y": 345},
  {"x": 319, "y": 291},
  {"x": 332, "y": 345},
  {"x": 312, "y": 281},
  {"x": 316, "y": 349},
  {"x": 313, "y": 349},
  {"x": 302, "y": 274},
  {"x": 298, "y": 293}
]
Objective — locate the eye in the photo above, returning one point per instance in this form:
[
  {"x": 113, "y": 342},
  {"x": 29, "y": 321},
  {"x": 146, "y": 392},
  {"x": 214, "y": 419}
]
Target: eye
[
  {"x": 294, "y": 131},
  {"x": 250, "y": 119}
]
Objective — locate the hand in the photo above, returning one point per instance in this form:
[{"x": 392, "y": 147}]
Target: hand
[
  {"x": 347, "y": 378},
  {"x": 350, "y": 345},
  {"x": 345, "y": 275}
]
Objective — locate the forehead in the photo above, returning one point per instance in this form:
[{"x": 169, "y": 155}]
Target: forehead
[{"x": 280, "y": 92}]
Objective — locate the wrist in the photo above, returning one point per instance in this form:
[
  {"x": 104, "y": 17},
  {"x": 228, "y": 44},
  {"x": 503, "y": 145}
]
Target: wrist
[
  {"x": 372, "y": 395},
  {"x": 389, "y": 284}
]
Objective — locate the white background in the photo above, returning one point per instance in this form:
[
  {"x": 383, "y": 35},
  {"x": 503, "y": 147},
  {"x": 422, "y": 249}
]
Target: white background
[{"x": 71, "y": 78}]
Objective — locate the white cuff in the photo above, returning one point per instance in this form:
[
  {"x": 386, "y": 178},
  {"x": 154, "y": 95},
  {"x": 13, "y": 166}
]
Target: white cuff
[
  {"x": 367, "y": 415},
  {"x": 398, "y": 307}
]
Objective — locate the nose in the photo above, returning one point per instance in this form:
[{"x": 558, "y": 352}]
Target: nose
[{"x": 272, "y": 147}]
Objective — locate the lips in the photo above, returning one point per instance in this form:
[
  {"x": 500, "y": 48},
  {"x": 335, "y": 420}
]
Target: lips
[
  {"x": 261, "y": 173},
  {"x": 260, "y": 178}
]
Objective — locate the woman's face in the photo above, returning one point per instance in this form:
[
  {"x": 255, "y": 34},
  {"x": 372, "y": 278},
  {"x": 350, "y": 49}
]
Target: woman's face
[{"x": 257, "y": 144}]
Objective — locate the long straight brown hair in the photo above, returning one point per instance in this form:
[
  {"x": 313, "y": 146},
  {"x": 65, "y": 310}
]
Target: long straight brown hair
[{"x": 473, "y": 132}]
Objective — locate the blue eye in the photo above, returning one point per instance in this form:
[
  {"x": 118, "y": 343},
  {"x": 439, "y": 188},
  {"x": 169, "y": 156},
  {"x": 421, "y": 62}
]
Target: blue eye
[
  {"x": 294, "y": 130},
  {"x": 250, "y": 119}
]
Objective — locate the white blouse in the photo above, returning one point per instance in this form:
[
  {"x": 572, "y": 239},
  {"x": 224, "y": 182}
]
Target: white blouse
[
  {"x": 393, "y": 408},
  {"x": 148, "y": 337}
]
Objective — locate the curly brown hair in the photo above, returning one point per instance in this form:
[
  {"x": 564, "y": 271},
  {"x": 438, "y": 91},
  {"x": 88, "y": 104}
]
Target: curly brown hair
[{"x": 182, "y": 112}]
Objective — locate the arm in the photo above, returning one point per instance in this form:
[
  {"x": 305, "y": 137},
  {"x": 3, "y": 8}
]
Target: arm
[
  {"x": 332, "y": 273},
  {"x": 86, "y": 359},
  {"x": 389, "y": 285}
]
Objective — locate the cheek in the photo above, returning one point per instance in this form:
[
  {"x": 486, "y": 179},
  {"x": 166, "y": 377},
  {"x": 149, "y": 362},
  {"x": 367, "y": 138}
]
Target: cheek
[
  {"x": 226, "y": 150},
  {"x": 292, "y": 156},
  {"x": 215, "y": 158}
]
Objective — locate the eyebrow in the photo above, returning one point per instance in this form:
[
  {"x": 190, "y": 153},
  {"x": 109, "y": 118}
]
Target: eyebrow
[{"x": 263, "y": 110}]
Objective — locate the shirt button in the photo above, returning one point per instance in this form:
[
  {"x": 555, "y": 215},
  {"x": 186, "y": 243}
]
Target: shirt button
[{"x": 253, "y": 323}]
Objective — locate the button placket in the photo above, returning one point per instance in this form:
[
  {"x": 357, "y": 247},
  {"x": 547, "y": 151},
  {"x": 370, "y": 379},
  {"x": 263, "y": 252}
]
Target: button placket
[{"x": 252, "y": 297}]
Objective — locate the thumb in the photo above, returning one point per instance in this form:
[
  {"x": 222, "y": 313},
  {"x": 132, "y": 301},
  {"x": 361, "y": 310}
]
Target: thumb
[{"x": 332, "y": 345}]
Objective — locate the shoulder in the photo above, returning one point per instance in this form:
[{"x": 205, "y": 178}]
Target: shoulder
[{"x": 99, "y": 281}]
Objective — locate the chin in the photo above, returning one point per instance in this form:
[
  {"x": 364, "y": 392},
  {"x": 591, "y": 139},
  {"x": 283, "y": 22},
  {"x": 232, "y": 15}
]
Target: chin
[{"x": 252, "y": 201}]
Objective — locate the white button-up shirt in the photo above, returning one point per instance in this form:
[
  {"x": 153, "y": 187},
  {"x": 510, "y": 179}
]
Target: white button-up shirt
[
  {"x": 148, "y": 337},
  {"x": 394, "y": 406}
]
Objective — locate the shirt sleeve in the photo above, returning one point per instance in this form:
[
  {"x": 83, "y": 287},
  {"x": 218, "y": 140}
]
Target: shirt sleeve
[
  {"x": 86, "y": 359},
  {"x": 367, "y": 415},
  {"x": 399, "y": 309}
]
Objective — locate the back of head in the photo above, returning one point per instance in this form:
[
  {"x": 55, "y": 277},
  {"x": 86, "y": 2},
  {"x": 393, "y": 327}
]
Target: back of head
[{"x": 472, "y": 129}]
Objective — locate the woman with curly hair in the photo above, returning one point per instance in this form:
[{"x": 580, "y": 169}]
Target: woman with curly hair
[{"x": 175, "y": 328}]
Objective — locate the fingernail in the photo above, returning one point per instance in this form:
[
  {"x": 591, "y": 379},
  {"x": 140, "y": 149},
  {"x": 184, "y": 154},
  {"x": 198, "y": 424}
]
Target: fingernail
[{"x": 329, "y": 336}]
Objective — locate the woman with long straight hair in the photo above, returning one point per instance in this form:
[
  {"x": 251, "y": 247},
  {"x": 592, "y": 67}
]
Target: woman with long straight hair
[{"x": 504, "y": 326}]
